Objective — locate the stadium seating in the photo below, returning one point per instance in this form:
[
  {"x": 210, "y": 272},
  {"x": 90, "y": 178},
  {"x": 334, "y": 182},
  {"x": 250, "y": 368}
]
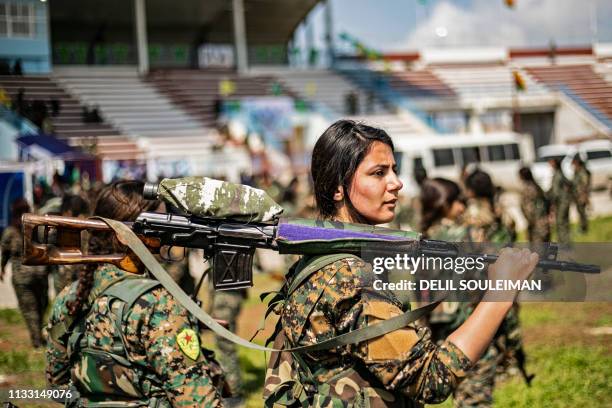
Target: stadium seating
[
  {"x": 331, "y": 90},
  {"x": 472, "y": 82},
  {"x": 581, "y": 80},
  {"x": 130, "y": 104},
  {"x": 110, "y": 147},
  {"x": 420, "y": 84},
  {"x": 328, "y": 88},
  {"x": 197, "y": 90},
  {"x": 69, "y": 122}
]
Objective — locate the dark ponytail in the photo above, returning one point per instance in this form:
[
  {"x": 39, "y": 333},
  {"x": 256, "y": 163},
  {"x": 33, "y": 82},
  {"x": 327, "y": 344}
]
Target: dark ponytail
[
  {"x": 120, "y": 201},
  {"x": 437, "y": 197}
]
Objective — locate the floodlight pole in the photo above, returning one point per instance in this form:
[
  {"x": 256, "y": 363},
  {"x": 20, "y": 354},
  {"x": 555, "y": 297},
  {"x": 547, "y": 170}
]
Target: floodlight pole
[
  {"x": 329, "y": 33},
  {"x": 242, "y": 62},
  {"x": 141, "y": 36}
]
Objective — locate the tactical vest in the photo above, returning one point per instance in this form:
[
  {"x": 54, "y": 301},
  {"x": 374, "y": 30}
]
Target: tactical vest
[
  {"x": 109, "y": 379},
  {"x": 289, "y": 380}
]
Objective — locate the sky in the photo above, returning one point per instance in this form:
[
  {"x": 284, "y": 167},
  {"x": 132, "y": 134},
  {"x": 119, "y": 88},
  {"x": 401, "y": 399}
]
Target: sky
[{"x": 409, "y": 25}]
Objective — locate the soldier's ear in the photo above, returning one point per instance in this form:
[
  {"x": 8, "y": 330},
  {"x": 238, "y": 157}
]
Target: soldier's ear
[{"x": 339, "y": 194}]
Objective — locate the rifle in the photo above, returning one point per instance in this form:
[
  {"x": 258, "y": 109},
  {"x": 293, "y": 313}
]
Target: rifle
[
  {"x": 231, "y": 242},
  {"x": 521, "y": 359}
]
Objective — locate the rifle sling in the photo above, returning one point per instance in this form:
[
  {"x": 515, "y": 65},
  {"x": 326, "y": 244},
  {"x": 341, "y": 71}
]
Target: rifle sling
[{"x": 127, "y": 237}]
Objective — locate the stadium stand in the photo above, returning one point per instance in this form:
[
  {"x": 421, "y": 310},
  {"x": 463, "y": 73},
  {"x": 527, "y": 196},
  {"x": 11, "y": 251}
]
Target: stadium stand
[
  {"x": 328, "y": 88},
  {"x": 487, "y": 82},
  {"x": 130, "y": 104},
  {"x": 196, "y": 91},
  {"x": 110, "y": 147},
  {"x": 420, "y": 84},
  {"x": 581, "y": 80},
  {"x": 331, "y": 90},
  {"x": 68, "y": 123}
]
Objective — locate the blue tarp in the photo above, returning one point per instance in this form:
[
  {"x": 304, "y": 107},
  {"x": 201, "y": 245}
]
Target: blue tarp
[{"x": 53, "y": 145}]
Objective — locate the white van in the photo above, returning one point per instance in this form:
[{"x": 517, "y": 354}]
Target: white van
[
  {"x": 597, "y": 154},
  {"x": 501, "y": 154}
]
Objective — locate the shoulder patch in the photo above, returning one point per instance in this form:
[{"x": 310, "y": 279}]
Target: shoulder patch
[{"x": 189, "y": 343}]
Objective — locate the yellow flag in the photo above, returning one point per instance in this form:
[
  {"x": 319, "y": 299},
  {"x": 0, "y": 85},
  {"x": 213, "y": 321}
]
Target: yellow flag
[
  {"x": 227, "y": 87},
  {"x": 311, "y": 89}
]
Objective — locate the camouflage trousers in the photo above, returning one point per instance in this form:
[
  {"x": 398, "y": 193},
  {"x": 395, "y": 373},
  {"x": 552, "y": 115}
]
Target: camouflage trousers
[
  {"x": 227, "y": 306},
  {"x": 539, "y": 231},
  {"x": 562, "y": 223},
  {"x": 33, "y": 299},
  {"x": 476, "y": 390},
  {"x": 581, "y": 207}
]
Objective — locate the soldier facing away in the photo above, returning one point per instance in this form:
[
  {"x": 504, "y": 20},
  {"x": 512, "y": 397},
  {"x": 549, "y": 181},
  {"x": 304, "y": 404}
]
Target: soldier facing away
[
  {"x": 31, "y": 283},
  {"x": 534, "y": 206},
  {"x": 582, "y": 190},
  {"x": 119, "y": 338},
  {"x": 560, "y": 197},
  {"x": 355, "y": 180}
]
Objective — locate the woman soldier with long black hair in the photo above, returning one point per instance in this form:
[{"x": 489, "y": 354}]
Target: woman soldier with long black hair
[
  {"x": 355, "y": 180},
  {"x": 119, "y": 338}
]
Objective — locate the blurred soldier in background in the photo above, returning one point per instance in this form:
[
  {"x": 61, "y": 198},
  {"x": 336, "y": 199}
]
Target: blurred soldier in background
[
  {"x": 487, "y": 221},
  {"x": 226, "y": 306},
  {"x": 31, "y": 283},
  {"x": 442, "y": 206},
  {"x": 484, "y": 223},
  {"x": 582, "y": 190},
  {"x": 534, "y": 207},
  {"x": 72, "y": 206},
  {"x": 408, "y": 215},
  {"x": 560, "y": 197}
]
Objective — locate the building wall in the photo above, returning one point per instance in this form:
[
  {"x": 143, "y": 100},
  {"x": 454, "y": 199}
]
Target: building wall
[{"x": 34, "y": 51}]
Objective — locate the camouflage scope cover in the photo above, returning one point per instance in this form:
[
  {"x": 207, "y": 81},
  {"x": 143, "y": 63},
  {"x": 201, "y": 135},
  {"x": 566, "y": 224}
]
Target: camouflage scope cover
[{"x": 206, "y": 197}]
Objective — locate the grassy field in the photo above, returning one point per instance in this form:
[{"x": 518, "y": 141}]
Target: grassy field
[{"x": 573, "y": 367}]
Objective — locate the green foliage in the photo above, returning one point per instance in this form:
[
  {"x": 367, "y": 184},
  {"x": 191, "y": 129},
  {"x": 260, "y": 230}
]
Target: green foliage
[
  {"x": 567, "y": 376},
  {"x": 600, "y": 230},
  {"x": 19, "y": 361}
]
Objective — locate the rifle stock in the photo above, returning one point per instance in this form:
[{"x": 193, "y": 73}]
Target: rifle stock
[{"x": 58, "y": 240}]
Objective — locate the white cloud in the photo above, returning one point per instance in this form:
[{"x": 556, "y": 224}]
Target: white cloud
[{"x": 490, "y": 22}]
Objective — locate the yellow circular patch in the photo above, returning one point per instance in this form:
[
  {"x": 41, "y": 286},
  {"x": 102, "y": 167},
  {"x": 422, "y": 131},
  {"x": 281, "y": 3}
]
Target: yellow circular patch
[{"x": 189, "y": 343}]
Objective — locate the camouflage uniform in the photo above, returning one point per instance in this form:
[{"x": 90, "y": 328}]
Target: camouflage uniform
[
  {"x": 403, "y": 368},
  {"x": 147, "y": 352},
  {"x": 227, "y": 305},
  {"x": 482, "y": 226},
  {"x": 64, "y": 275},
  {"x": 582, "y": 189},
  {"x": 448, "y": 316},
  {"x": 560, "y": 196},
  {"x": 535, "y": 210},
  {"x": 31, "y": 284}
]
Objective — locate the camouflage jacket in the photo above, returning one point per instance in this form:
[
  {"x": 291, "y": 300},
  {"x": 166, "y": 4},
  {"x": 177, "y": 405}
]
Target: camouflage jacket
[
  {"x": 484, "y": 225},
  {"x": 403, "y": 368},
  {"x": 582, "y": 186},
  {"x": 447, "y": 230},
  {"x": 533, "y": 203},
  {"x": 12, "y": 248},
  {"x": 560, "y": 192},
  {"x": 152, "y": 352}
]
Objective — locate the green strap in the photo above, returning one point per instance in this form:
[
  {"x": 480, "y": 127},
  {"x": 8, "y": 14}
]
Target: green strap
[
  {"x": 309, "y": 265},
  {"x": 130, "y": 290},
  {"x": 127, "y": 237}
]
